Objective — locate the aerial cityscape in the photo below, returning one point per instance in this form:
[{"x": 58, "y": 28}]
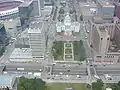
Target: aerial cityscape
[{"x": 59, "y": 44}]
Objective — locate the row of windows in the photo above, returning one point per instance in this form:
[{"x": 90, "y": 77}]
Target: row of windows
[
  {"x": 109, "y": 56},
  {"x": 107, "y": 39},
  {"x": 106, "y": 56},
  {"x": 10, "y": 12},
  {"x": 105, "y": 61}
]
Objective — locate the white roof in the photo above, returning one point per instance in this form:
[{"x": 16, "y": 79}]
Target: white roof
[
  {"x": 6, "y": 80},
  {"x": 24, "y": 53},
  {"x": 37, "y": 74},
  {"x": 106, "y": 4},
  {"x": 34, "y": 30},
  {"x": 108, "y": 88}
]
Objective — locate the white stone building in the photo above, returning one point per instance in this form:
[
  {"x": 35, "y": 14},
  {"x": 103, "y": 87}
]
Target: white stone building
[{"x": 67, "y": 26}]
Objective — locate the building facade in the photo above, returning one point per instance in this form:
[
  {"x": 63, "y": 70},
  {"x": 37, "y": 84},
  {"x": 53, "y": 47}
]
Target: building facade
[
  {"x": 105, "y": 42},
  {"x": 105, "y": 8},
  {"x": 37, "y": 42},
  {"x": 68, "y": 26},
  {"x": 3, "y": 39},
  {"x": 24, "y": 11}
]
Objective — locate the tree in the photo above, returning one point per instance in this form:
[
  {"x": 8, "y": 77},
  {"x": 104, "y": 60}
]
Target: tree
[
  {"x": 119, "y": 83},
  {"x": 61, "y": 11},
  {"x": 97, "y": 85},
  {"x": 81, "y": 18},
  {"x": 115, "y": 86},
  {"x": 31, "y": 84}
]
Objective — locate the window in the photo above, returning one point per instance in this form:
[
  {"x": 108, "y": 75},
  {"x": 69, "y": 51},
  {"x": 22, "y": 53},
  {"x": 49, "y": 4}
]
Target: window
[{"x": 98, "y": 56}]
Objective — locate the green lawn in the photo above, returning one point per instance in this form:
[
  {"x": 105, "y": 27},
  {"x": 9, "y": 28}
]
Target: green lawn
[
  {"x": 79, "y": 51},
  {"x": 68, "y": 51},
  {"x": 58, "y": 50},
  {"x": 63, "y": 86}
]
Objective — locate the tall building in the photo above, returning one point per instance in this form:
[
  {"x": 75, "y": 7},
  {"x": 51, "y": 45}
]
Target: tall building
[
  {"x": 117, "y": 9},
  {"x": 3, "y": 39},
  {"x": 25, "y": 11},
  {"x": 101, "y": 39},
  {"x": 42, "y": 4},
  {"x": 106, "y": 9},
  {"x": 3, "y": 34},
  {"x": 37, "y": 40},
  {"x": 105, "y": 42}
]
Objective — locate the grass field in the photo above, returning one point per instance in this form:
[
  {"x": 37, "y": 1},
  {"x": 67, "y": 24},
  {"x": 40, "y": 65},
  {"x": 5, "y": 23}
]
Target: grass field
[
  {"x": 58, "y": 50},
  {"x": 79, "y": 51},
  {"x": 63, "y": 86}
]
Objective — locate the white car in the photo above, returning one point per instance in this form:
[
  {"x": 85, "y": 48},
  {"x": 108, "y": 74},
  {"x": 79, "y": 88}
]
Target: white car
[
  {"x": 66, "y": 75},
  {"x": 87, "y": 31},
  {"x": 85, "y": 37},
  {"x": 61, "y": 73}
]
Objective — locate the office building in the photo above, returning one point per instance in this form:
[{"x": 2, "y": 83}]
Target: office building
[
  {"x": 3, "y": 39},
  {"x": 117, "y": 9},
  {"x": 37, "y": 39},
  {"x": 21, "y": 55},
  {"x": 7, "y": 82},
  {"x": 100, "y": 39},
  {"x": 105, "y": 8},
  {"x": 24, "y": 11},
  {"x": 105, "y": 42},
  {"x": 42, "y": 4},
  {"x": 23, "y": 40},
  {"x": 12, "y": 26},
  {"x": 88, "y": 10},
  {"x": 3, "y": 35}
]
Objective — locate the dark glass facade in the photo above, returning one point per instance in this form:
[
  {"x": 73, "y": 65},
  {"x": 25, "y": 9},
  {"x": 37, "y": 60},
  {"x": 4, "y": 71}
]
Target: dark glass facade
[
  {"x": 3, "y": 34},
  {"x": 24, "y": 13},
  {"x": 3, "y": 39}
]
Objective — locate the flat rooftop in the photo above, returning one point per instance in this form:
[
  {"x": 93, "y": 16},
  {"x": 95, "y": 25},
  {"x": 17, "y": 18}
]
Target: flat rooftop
[
  {"x": 87, "y": 4},
  {"x": 106, "y": 4},
  {"x": 36, "y": 27},
  {"x": 25, "y": 3},
  {"x": 21, "y": 53},
  {"x": 86, "y": 11},
  {"x": 6, "y": 80}
]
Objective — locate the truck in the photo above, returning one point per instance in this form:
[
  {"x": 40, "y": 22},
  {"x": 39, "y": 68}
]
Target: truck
[{"x": 20, "y": 69}]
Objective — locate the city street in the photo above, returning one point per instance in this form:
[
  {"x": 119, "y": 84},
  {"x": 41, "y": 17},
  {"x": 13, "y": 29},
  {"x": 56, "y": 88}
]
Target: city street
[{"x": 56, "y": 71}]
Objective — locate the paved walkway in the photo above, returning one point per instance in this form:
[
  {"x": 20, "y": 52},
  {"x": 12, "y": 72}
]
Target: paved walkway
[{"x": 68, "y": 46}]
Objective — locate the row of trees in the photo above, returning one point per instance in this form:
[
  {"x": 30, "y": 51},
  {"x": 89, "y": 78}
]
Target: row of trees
[
  {"x": 38, "y": 84},
  {"x": 115, "y": 86},
  {"x": 99, "y": 85}
]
